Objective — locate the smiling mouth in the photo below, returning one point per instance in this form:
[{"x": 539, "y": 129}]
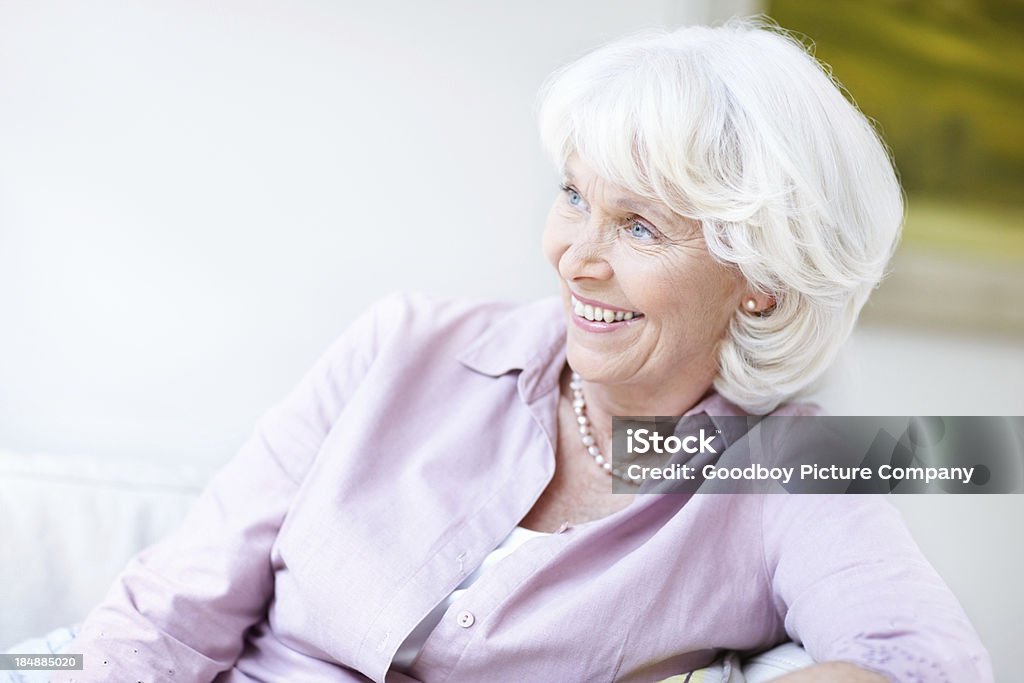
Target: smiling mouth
[{"x": 599, "y": 314}]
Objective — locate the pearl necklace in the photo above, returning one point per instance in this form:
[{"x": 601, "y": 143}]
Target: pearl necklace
[{"x": 579, "y": 406}]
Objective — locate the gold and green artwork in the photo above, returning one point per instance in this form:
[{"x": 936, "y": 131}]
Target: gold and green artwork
[{"x": 944, "y": 82}]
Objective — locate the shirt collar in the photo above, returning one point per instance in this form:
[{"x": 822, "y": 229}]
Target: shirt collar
[{"x": 529, "y": 338}]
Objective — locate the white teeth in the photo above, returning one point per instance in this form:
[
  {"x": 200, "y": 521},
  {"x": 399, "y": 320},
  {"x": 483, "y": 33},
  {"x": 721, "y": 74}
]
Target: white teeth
[{"x": 598, "y": 314}]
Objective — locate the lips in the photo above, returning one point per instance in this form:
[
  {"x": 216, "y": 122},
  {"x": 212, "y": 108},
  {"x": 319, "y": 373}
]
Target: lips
[{"x": 594, "y": 312}]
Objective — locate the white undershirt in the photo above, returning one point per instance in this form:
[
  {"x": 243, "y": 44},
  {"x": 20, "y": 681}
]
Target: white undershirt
[{"x": 409, "y": 648}]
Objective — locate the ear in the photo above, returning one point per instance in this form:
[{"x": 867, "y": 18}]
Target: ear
[{"x": 754, "y": 302}]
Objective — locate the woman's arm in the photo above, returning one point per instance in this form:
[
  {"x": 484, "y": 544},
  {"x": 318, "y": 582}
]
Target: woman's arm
[
  {"x": 852, "y": 586},
  {"x": 179, "y": 610}
]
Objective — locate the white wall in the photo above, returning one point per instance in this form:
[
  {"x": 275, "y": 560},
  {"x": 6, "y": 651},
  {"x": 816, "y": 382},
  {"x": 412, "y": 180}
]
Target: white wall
[
  {"x": 195, "y": 197},
  {"x": 906, "y": 371}
]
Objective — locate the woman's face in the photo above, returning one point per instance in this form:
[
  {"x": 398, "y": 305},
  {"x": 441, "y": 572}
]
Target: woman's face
[{"x": 664, "y": 302}]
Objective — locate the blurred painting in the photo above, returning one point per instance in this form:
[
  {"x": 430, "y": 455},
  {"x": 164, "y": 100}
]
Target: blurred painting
[{"x": 944, "y": 82}]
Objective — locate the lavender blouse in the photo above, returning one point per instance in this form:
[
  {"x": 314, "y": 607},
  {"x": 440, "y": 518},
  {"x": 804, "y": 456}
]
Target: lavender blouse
[{"x": 407, "y": 453}]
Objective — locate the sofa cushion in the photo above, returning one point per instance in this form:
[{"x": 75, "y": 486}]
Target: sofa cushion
[{"x": 70, "y": 523}]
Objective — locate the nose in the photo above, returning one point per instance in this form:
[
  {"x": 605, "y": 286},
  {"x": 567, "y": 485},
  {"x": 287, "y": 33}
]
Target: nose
[{"x": 586, "y": 256}]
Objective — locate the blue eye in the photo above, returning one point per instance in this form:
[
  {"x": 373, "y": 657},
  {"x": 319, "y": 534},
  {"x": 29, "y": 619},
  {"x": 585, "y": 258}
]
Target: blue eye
[
  {"x": 640, "y": 231},
  {"x": 572, "y": 196}
]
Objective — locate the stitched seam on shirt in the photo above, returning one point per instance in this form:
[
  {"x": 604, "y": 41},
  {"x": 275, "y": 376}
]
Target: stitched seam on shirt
[
  {"x": 512, "y": 475},
  {"x": 495, "y": 608},
  {"x": 475, "y": 635},
  {"x": 508, "y": 596},
  {"x": 620, "y": 658},
  {"x": 766, "y": 574},
  {"x": 569, "y": 543}
]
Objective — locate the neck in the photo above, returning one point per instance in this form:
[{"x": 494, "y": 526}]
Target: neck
[{"x": 605, "y": 401}]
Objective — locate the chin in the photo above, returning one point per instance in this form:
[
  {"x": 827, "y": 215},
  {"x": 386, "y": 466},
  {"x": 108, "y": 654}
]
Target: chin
[{"x": 593, "y": 367}]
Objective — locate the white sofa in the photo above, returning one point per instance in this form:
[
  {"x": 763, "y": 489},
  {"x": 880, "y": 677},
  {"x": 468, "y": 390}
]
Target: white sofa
[{"x": 69, "y": 524}]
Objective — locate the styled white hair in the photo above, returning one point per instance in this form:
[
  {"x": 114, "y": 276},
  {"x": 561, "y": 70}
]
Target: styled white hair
[{"x": 741, "y": 129}]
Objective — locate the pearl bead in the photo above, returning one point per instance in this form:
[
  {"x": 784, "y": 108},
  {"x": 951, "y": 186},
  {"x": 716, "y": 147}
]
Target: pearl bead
[{"x": 579, "y": 406}]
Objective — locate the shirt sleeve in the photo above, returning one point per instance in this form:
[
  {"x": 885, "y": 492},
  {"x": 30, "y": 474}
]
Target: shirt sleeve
[
  {"x": 852, "y": 585},
  {"x": 179, "y": 610}
]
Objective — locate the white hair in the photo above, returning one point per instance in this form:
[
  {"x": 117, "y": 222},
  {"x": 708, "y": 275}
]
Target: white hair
[{"x": 740, "y": 128}]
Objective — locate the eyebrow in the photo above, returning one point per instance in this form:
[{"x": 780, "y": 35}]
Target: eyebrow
[
  {"x": 637, "y": 206},
  {"x": 643, "y": 208}
]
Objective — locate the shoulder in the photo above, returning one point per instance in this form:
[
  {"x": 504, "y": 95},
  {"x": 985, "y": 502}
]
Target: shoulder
[
  {"x": 418, "y": 315},
  {"x": 414, "y": 325},
  {"x": 434, "y": 311}
]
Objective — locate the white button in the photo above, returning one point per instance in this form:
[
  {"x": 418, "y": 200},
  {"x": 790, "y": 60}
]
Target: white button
[{"x": 465, "y": 619}]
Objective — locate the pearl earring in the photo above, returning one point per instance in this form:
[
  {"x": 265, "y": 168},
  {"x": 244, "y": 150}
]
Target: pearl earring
[{"x": 750, "y": 304}]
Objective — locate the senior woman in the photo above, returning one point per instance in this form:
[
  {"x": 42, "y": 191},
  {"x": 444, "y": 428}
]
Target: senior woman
[{"x": 432, "y": 502}]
